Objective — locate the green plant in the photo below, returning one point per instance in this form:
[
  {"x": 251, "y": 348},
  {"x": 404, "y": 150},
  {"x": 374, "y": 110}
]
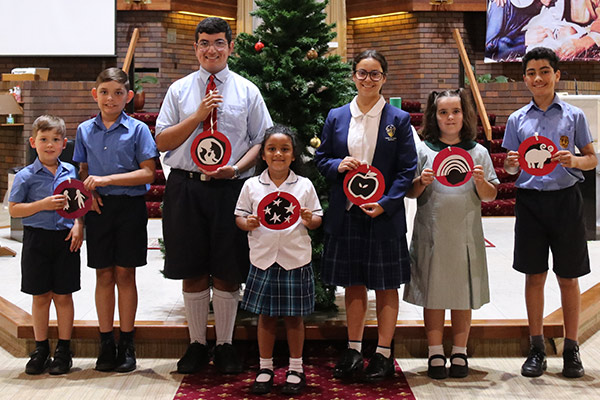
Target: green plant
[
  {"x": 487, "y": 78},
  {"x": 137, "y": 83}
]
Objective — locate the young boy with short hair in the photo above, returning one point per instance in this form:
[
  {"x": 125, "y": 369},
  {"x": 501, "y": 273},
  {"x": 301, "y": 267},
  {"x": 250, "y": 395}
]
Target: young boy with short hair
[
  {"x": 117, "y": 154},
  {"x": 50, "y": 258},
  {"x": 549, "y": 209}
]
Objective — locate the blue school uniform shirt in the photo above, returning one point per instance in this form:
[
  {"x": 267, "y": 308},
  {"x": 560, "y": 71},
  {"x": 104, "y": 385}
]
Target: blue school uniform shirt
[
  {"x": 117, "y": 150},
  {"x": 560, "y": 121},
  {"x": 35, "y": 182}
]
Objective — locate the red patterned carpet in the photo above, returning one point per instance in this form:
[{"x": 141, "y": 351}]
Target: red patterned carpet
[{"x": 209, "y": 385}]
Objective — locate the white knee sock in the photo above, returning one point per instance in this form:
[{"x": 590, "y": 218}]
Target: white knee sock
[
  {"x": 459, "y": 350},
  {"x": 433, "y": 350},
  {"x": 196, "y": 312},
  {"x": 295, "y": 365},
  {"x": 225, "y": 306}
]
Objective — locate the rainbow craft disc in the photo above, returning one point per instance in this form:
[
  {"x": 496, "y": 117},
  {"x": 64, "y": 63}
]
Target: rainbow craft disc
[
  {"x": 79, "y": 199},
  {"x": 211, "y": 150},
  {"x": 453, "y": 166},
  {"x": 363, "y": 185},
  {"x": 535, "y": 155},
  {"x": 278, "y": 210}
]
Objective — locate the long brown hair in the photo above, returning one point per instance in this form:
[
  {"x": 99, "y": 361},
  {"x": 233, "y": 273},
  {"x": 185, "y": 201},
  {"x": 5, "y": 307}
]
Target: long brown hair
[{"x": 431, "y": 130}]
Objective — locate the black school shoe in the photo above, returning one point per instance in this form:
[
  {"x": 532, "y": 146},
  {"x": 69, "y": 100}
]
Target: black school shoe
[
  {"x": 349, "y": 365},
  {"x": 125, "y": 357},
  {"x": 263, "y": 387},
  {"x": 459, "y": 371},
  {"x": 195, "y": 357},
  {"x": 535, "y": 365},
  {"x": 227, "y": 359},
  {"x": 379, "y": 368},
  {"x": 38, "y": 362},
  {"x": 572, "y": 365},
  {"x": 437, "y": 372},
  {"x": 107, "y": 359},
  {"x": 62, "y": 362},
  {"x": 292, "y": 389}
]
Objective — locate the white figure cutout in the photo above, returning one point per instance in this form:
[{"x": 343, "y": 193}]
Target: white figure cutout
[
  {"x": 80, "y": 199},
  {"x": 66, "y": 193},
  {"x": 536, "y": 158}
]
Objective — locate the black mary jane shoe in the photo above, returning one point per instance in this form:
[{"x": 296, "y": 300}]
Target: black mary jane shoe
[
  {"x": 349, "y": 365},
  {"x": 459, "y": 371},
  {"x": 292, "y": 389},
  {"x": 437, "y": 372},
  {"x": 263, "y": 387}
]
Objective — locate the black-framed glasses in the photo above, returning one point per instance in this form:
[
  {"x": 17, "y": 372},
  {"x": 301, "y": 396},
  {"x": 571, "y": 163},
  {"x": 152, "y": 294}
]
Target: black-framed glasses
[
  {"x": 219, "y": 44},
  {"x": 361, "y": 75}
]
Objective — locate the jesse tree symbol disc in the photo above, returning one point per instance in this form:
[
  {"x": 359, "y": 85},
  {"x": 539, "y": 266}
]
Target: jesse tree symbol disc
[
  {"x": 278, "y": 210},
  {"x": 79, "y": 199},
  {"x": 453, "y": 166},
  {"x": 363, "y": 185},
  {"x": 534, "y": 155},
  {"x": 211, "y": 150}
]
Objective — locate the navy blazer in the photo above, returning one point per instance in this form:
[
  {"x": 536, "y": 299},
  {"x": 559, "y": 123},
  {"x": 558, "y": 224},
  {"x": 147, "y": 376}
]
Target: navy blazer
[{"x": 395, "y": 156}]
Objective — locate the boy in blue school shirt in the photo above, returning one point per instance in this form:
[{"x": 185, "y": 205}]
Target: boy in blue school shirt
[
  {"x": 549, "y": 209},
  {"x": 117, "y": 154},
  {"x": 50, "y": 259}
]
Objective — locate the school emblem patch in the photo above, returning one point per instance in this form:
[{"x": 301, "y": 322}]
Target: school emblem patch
[
  {"x": 391, "y": 133},
  {"x": 564, "y": 142}
]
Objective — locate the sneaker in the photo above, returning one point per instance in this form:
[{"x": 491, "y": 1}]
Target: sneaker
[
  {"x": 62, "y": 362},
  {"x": 195, "y": 357},
  {"x": 107, "y": 360},
  {"x": 227, "y": 360},
  {"x": 38, "y": 362},
  {"x": 572, "y": 366},
  {"x": 379, "y": 368},
  {"x": 125, "y": 357},
  {"x": 535, "y": 365}
]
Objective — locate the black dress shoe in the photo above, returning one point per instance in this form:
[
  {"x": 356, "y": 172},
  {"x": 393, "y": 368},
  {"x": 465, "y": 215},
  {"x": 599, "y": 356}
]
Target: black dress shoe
[
  {"x": 62, "y": 362},
  {"x": 572, "y": 366},
  {"x": 437, "y": 372},
  {"x": 459, "y": 371},
  {"x": 195, "y": 357},
  {"x": 38, "y": 362},
  {"x": 349, "y": 365},
  {"x": 107, "y": 360},
  {"x": 263, "y": 387},
  {"x": 292, "y": 389},
  {"x": 126, "y": 361},
  {"x": 379, "y": 368},
  {"x": 227, "y": 360},
  {"x": 535, "y": 365}
]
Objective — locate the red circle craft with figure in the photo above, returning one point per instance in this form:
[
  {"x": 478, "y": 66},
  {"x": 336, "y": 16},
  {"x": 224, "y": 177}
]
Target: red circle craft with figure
[
  {"x": 364, "y": 184},
  {"x": 211, "y": 150},
  {"x": 535, "y": 155},
  {"x": 453, "y": 166},
  {"x": 278, "y": 210},
  {"x": 79, "y": 199}
]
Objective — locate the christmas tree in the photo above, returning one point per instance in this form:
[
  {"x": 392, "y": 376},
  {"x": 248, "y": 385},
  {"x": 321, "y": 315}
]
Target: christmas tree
[{"x": 286, "y": 57}]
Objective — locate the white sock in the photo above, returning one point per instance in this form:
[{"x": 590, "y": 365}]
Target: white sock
[
  {"x": 295, "y": 365},
  {"x": 355, "y": 345},
  {"x": 433, "y": 350},
  {"x": 384, "y": 351},
  {"x": 265, "y": 363},
  {"x": 196, "y": 312},
  {"x": 225, "y": 306},
  {"x": 459, "y": 350}
]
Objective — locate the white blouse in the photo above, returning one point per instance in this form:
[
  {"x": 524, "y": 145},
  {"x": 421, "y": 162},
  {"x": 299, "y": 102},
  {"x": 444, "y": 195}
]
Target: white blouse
[{"x": 363, "y": 129}]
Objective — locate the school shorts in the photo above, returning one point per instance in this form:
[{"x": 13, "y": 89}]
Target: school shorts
[
  {"x": 199, "y": 230},
  {"x": 47, "y": 264},
  {"x": 117, "y": 236},
  {"x": 550, "y": 220}
]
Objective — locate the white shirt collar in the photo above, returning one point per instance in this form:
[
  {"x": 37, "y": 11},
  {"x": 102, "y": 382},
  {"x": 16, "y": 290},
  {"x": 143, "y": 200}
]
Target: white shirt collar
[
  {"x": 265, "y": 179},
  {"x": 375, "y": 111}
]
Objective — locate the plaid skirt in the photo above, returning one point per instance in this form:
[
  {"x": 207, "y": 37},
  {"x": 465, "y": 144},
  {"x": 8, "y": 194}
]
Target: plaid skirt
[
  {"x": 278, "y": 292},
  {"x": 358, "y": 258}
]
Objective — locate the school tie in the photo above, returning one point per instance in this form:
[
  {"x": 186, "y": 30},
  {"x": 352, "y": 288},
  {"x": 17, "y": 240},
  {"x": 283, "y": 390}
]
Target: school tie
[{"x": 206, "y": 125}]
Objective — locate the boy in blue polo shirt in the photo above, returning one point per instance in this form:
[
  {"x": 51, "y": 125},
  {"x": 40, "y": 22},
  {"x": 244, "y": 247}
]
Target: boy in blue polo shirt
[
  {"x": 50, "y": 259},
  {"x": 117, "y": 154},
  {"x": 549, "y": 209}
]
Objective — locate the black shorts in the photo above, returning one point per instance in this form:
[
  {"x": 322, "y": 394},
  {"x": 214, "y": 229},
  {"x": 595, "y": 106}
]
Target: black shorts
[
  {"x": 551, "y": 220},
  {"x": 47, "y": 264},
  {"x": 119, "y": 235},
  {"x": 201, "y": 237}
]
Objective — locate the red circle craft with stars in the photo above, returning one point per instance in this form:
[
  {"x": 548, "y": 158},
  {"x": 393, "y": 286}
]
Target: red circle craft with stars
[
  {"x": 535, "y": 155},
  {"x": 364, "y": 184},
  {"x": 79, "y": 199},
  {"x": 211, "y": 150},
  {"x": 278, "y": 210},
  {"x": 453, "y": 166}
]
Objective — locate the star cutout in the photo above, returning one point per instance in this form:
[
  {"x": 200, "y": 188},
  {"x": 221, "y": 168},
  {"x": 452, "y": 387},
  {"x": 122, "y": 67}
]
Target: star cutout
[
  {"x": 267, "y": 210},
  {"x": 277, "y": 202},
  {"x": 275, "y": 218},
  {"x": 288, "y": 219},
  {"x": 290, "y": 209}
]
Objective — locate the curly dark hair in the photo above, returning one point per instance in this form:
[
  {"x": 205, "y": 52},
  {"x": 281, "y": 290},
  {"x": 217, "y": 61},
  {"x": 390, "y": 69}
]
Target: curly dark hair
[
  {"x": 540, "y": 53},
  {"x": 431, "y": 130},
  {"x": 297, "y": 164}
]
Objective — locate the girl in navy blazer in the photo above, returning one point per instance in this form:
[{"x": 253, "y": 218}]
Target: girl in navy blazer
[{"x": 365, "y": 247}]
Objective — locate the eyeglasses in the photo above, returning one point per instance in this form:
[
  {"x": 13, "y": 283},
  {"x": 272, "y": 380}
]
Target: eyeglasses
[
  {"x": 375, "y": 75},
  {"x": 219, "y": 44}
]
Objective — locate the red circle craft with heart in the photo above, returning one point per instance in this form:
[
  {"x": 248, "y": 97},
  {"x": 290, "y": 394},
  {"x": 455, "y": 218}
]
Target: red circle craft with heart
[
  {"x": 278, "y": 210},
  {"x": 79, "y": 199},
  {"x": 453, "y": 166},
  {"x": 535, "y": 155},
  {"x": 364, "y": 184},
  {"x": 211, "y": 150}
]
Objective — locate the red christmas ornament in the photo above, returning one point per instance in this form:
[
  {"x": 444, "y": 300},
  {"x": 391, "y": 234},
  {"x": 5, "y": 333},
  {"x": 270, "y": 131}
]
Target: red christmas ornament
[{"x": 259, "y": 46}]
